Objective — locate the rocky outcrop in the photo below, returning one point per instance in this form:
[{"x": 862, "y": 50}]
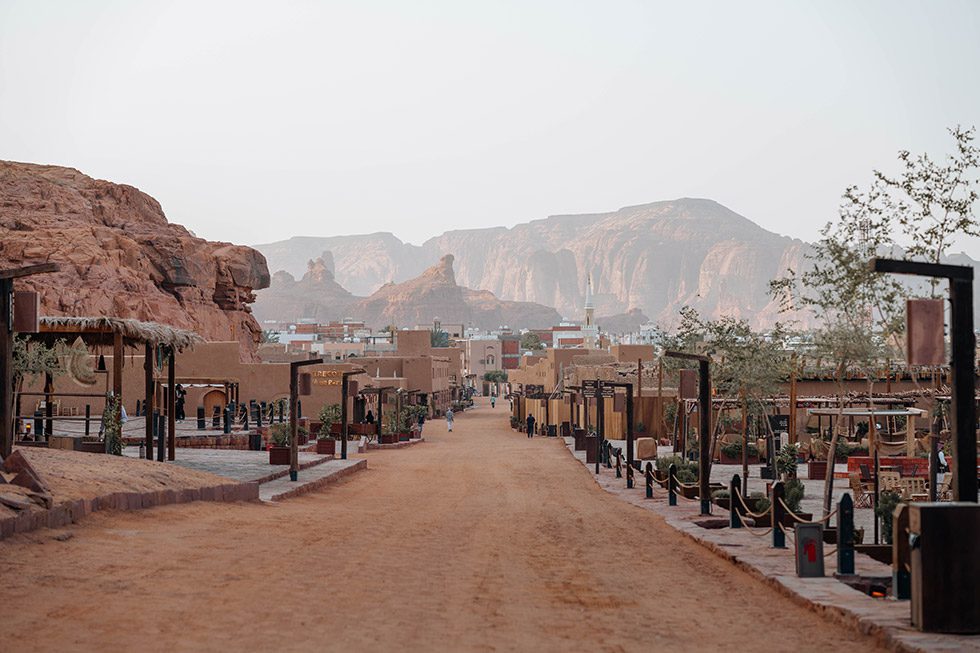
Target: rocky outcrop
[
  {"x": 654, "y": 257},
  {"x": 120, "y": 256},
  {"x": 316, "y": 296},
  {"x": 434, "y": 293}
]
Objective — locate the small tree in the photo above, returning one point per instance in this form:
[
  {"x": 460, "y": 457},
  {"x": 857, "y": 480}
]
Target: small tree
[
  {"x": 330, "y": 414},
  {"x": 495, "y": 376},
  {"x": 531, "y": 340},
  {"x": 439, "y": 338}
]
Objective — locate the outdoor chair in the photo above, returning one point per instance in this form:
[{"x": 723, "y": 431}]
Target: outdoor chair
[
  {"x": 862, "y": 498},
  {"x": 865, "y": 473},
  {"x": 889, "y": 482},
  {"x": 911, "y": 486}
]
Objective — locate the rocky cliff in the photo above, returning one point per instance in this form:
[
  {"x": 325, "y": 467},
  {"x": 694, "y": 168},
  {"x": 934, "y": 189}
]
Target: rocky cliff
[
  {"x": 654, "y": 257},
  {"x": 434, "y": 293},
  {"x": 120, "y": 256}
]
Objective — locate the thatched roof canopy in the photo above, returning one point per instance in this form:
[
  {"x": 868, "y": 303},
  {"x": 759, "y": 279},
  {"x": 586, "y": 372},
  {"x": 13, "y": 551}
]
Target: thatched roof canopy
[{"x": 102, "y": 330}]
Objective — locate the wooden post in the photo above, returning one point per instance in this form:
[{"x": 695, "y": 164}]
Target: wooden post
[
  {"x": 629, "y": 433},
  {"x": 48, "y": 408},
  {"x": 148, "y": 398},
  {"x": 745, "y": 443},
  {"x": 171, "y": 405},
  {"x": 6, "y": 366},
  {"x": 344, "y": 389},
  {"x": 704, "y": 437},
  {"x": 792, "y": 403},
  {"x": 293, "y": 424},
  {"x": 118, "y": 357}
]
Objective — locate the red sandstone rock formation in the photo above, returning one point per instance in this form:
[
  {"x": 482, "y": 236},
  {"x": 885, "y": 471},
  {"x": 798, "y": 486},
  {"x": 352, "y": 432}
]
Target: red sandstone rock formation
[
  {"x": 434, "y": 293},
  {"x": 120, "y": 257}
]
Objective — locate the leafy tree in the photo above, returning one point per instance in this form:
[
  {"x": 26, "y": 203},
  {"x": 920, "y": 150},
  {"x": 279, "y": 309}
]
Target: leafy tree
[
  {"x": 532, "y": 341},
  {"x": 495, "y": 376},
  {"x": 269, "y": 336},
  {"x": 439, "y": 338}
]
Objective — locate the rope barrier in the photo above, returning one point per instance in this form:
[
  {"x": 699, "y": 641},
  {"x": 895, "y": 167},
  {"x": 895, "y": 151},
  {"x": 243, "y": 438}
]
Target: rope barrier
[
  {"x": 748, "y": 512},
  {"x": 751, "y": 531},
  {"x": 787, "y": 533},
  {"x": 689, "y": 486},
  {"x": 830, "y": 553},
  {"x": 805, "y": 521}
]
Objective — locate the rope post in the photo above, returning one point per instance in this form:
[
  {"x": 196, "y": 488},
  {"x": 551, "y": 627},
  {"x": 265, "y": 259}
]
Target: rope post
[
  {"x": 227, "y": 421},
  {"x": 619, "y": 463},
  {"x": 648, "y": 477},
  {"x": 845, "y": 536},
  {"x": 671, "y": 485},
  {"x": 776, "y": 508},
  {"x": 608, "y": 455},
  {"x": 734, "y": 489}
]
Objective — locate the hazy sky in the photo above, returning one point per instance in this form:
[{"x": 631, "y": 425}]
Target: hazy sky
[{"x": 252, "y": 122}]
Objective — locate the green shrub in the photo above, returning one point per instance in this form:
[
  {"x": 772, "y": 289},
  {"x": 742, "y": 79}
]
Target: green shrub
[
  {"x": 793, "y": 494},
  {"x": 887, "y": 502},
  {"x": 734, "y": 450},
  {"x": 279, "y": 434},
  {"x": 329, "y": 415},
  {"x": 786, "y": 460},
  {"x": 721, "y": 494},
  {"x": 687, "y": 470}
]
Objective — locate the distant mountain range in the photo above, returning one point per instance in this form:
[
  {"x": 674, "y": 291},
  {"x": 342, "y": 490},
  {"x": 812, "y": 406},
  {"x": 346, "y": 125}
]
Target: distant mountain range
[
  {"x": 432, "y": 294},
  {"x": 651, "y": 259}
]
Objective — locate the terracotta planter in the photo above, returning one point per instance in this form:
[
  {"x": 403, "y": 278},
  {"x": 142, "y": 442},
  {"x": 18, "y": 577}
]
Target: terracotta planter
[
  {"x": 725, "y": 503},
  {"x": 389, "y": 438},
  {"x": 404, "y": 437},
  {"x": 326, "y": 447},
  {"x": 278, "y": 455}
]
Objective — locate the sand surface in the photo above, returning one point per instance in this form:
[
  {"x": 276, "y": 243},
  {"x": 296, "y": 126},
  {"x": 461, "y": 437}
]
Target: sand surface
[{"x": 478, "y": 540}]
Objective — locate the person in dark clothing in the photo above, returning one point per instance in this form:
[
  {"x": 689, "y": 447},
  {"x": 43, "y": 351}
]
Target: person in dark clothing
[
  {"x": 421, "y": 422},
  {"x": 179, "y": 398},
  {"x": 530, "y": 426},
  {"x": 369, "y": 418}
]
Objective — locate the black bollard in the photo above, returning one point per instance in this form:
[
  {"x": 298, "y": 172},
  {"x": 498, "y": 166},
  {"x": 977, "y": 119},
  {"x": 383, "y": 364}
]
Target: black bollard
[
  {"x": 299, "y": 409},
  {"x": 648, "y": 478},
  {"x": 282, "y": 412},
  {"x": 619, "y": 463},
  {"x": 671, "y": 485},
  {"x": 778, "y": 536},
  {"x": 216, "y": 417},
  {"x": 138, "y": 405},
  {"x": 735, "y": 507},
  {"x": 245, "y": 423},
  {"x": 88, "y": 418},
  {"x": 200, "y": 418},
  {"x": 227, "y": 420},
  {"x": 38, "y": 425},
  {"x": 258, "y": 418},
  {"x": 845, "y": 536}
]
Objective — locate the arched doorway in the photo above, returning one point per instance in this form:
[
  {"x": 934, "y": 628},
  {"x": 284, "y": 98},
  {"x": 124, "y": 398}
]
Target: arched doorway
[{"x": 211, "y": 399}]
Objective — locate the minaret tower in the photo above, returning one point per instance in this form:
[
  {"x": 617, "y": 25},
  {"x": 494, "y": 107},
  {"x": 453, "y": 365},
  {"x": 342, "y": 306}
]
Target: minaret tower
[{"x": 590, "y": 331}]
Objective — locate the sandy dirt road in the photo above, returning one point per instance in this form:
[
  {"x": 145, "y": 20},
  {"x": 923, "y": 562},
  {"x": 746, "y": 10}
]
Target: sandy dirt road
[{"x": 478, "y": 540}]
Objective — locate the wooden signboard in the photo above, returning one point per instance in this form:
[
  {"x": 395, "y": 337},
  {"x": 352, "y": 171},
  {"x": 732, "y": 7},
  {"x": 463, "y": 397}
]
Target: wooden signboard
[
  {"x": 924, "y": 341},
  {"x": 689, "y": 384},
  {"x": 27, "y": 311},
  {"x": 590, "y": 388}
]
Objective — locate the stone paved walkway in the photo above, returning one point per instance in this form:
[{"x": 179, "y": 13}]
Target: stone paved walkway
[
  {"x": 309, "y": 479},
  {"x": 237, "y": 464},
  {"x": 885, "y": 618}
]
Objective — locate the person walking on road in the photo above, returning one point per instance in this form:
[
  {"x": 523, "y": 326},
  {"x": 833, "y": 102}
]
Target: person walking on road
[
  {"x": 449, "y": 420},
  {"x": 493, "y": 401},
  {"x": 530, "y": 426},
  {"x": 421, "y": 422}
]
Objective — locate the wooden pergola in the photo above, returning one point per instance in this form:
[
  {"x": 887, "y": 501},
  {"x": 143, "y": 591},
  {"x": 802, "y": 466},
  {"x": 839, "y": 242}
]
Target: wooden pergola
[{"x": 120, "y": 333}]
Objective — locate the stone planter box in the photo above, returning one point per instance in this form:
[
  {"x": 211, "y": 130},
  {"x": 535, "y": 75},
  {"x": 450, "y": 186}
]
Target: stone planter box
[
  {"x": 591, "y": 448},
  {"x": 326, "y": 447},
  {"x": 389, "y": 438},
  {"x": 817, "y": 470},
  {"x": 278, "y": 455}
]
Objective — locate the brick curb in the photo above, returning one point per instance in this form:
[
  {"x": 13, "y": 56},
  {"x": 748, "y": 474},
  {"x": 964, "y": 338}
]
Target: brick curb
[
  {"x": 893, "y": 634},
  {"x": 321, "y": 482},
  {"x": 70, "y": 512},
  {"x": 395, "y": 445}
]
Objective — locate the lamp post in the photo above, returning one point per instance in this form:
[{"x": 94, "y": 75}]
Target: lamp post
[
  {"x": 293, "y": 414},
  {"x": 962, "y": 364},
  {"x": 704, "y": 417}
]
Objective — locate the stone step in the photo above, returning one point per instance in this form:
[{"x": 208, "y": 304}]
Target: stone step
[{"x": 309, "y": 479}]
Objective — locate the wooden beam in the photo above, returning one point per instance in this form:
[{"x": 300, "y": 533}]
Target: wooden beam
[{"x": 28, "y": 270}]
